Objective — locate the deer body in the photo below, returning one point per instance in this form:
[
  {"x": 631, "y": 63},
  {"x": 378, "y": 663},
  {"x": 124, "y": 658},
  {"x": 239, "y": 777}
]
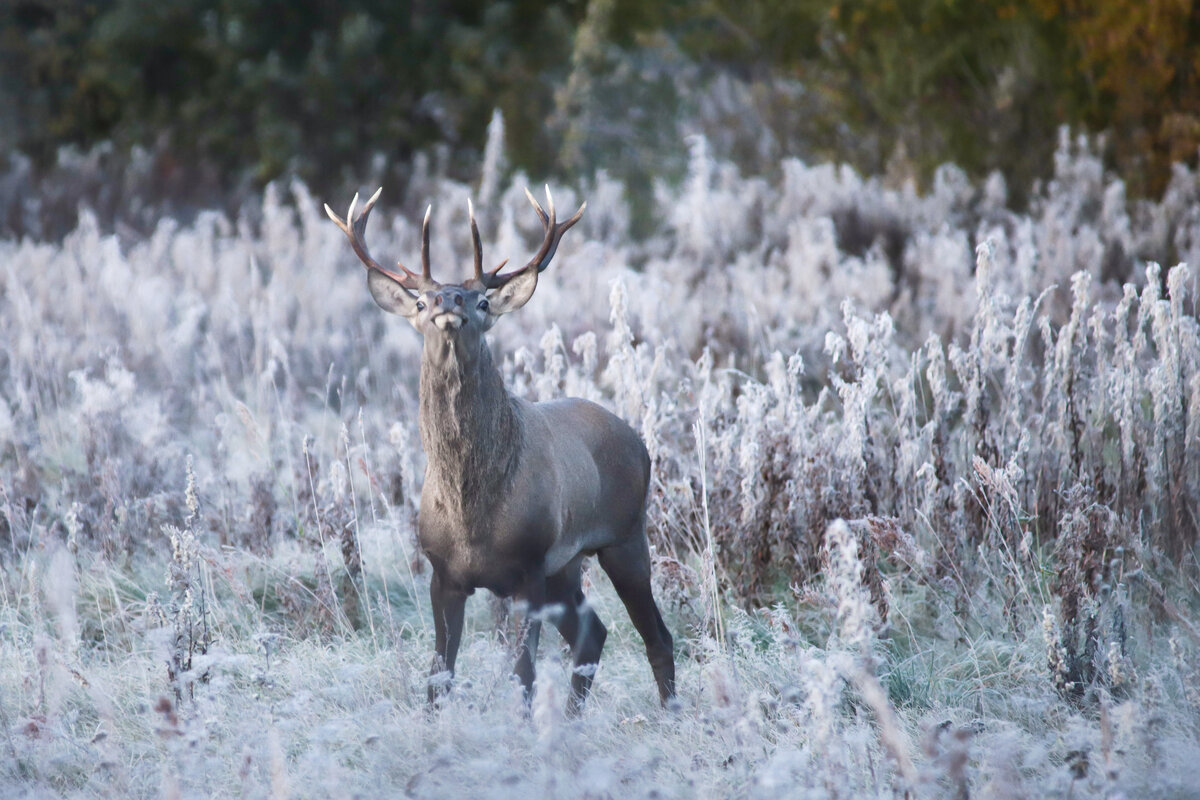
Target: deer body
[
  {"x": 481, "y": 536},
  {"x": 516, "y": 494}
]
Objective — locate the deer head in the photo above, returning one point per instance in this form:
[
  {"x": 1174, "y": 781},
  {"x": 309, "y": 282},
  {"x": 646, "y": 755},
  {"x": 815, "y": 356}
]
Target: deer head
[{"x": 463, "y": 310}]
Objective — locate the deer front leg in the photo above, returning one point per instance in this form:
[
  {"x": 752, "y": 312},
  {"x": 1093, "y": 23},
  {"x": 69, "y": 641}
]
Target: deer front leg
[
  {"x": 448, "y": 604},
  {"x": 533, "y": 593}
]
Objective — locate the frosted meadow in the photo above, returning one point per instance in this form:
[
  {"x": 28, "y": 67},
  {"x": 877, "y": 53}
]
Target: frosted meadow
[{"x": 923, "y": 506}]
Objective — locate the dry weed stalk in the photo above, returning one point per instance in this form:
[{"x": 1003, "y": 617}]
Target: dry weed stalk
[{"x": 188, "y": 607}]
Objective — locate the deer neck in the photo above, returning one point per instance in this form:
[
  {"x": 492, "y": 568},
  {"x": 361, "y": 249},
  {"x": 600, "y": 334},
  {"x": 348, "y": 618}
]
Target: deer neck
[{"x": 469, "y": 427}]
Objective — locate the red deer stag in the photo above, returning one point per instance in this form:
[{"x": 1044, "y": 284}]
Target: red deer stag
[{"x": 516, "y": 494}]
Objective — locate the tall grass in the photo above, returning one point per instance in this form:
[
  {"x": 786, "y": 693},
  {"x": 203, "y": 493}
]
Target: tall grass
[{"x": 923, "y": 503}]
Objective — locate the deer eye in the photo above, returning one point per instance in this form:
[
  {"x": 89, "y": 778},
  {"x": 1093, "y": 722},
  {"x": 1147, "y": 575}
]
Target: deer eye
[
  {"x": 420, "y": 305},
  {"x": 483, "y": 305}
]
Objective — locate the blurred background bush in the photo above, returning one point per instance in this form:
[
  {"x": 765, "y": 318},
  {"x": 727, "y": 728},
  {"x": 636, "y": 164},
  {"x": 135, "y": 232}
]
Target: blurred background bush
[{"x": 143, "y": 107}]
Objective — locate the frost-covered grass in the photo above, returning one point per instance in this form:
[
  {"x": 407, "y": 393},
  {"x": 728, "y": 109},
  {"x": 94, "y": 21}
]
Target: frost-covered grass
[{"x": 923, "y": 509}]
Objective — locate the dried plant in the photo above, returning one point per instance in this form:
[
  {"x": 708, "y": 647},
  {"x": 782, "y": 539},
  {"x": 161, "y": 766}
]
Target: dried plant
[
  {"x": 188, "y": 608},
  {"x": 923, "y": 504}
]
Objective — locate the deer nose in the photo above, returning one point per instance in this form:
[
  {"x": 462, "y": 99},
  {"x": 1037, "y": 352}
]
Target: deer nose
[
  {"x": 449, "y": 315},
  {"x": 456, "y": 296}
]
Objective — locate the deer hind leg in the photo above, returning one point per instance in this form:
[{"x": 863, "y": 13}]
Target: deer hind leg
[
  {"x": 582, "y": 630},
  {"x": 628, "y": 566}
]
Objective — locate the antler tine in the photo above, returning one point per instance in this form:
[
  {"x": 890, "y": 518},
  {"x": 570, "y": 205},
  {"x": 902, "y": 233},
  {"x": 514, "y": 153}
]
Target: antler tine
[
  {"x": 538, "y": 206},
  {"x": 355, "y": 230},
  {"x": 478, "y": 244},
  {"x": 425, "y": 244},
  {"x": 549, "y": 242},
  {"x": 487, "y": 279}
]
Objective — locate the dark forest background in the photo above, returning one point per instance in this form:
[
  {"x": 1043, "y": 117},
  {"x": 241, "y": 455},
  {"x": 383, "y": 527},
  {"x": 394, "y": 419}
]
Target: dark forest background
[{"x": 144, "y": 107}]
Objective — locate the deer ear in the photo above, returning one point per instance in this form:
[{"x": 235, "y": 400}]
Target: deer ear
[
  {"x": 513, "y": 293},
  {"x": 390, "y": 295}
]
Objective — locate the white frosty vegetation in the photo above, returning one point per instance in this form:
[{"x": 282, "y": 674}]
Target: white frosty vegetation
[{"x": 923, "y": 507}]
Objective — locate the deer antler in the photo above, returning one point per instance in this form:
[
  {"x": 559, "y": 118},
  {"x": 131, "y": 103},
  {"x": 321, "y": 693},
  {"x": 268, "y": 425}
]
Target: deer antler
[
  {"x": 553, "y": 233},
  {"x": 355, "y": 229}
]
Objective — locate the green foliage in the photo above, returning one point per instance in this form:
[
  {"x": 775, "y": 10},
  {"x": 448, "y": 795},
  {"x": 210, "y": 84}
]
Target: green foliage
[
  {"x": 910, "y": 84},
  {"x": 307, "y": 87},
  {"x": 1132, "y": 67},
  {"x": 41, "y": 57}
]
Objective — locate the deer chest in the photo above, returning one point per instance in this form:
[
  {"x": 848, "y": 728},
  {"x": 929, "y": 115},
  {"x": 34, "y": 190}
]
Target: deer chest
[{"x": 484, "y": 558}]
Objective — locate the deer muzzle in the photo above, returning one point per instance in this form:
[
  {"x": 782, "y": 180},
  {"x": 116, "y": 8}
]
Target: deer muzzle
[{"x": 449, "y": 320}]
